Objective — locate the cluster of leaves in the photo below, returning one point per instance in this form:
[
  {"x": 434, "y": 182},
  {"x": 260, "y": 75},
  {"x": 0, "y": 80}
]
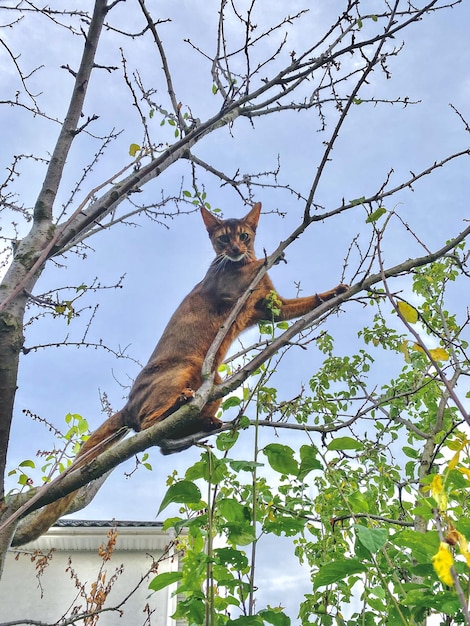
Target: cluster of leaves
[
  {"x": 58, "y": 459},
  {"x": 377, "y": 507}
]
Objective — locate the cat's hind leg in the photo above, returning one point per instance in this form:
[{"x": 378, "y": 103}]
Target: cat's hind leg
[{"x": 158, "y": 392}]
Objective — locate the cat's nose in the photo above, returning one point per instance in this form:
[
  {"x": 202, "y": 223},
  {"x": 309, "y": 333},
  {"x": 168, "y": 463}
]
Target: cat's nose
[{"x": 235, "y": 250}]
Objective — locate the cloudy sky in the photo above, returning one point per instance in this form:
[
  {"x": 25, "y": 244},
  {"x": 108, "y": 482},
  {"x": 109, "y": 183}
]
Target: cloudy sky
[{"x": 160, "y": 262}]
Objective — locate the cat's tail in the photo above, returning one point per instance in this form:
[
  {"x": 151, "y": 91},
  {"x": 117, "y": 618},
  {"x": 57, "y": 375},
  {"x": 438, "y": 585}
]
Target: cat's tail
[{"x": 38, "y": 522}]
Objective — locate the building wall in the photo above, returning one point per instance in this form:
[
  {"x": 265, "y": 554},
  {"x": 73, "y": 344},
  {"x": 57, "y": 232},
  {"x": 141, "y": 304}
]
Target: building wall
[{"x": 55, "y": 593}]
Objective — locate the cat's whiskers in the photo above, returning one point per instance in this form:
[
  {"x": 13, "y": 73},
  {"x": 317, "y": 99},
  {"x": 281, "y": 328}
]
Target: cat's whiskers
[
  {"x": 222, "y": 260},
  {"x": 219, "y": 262}
]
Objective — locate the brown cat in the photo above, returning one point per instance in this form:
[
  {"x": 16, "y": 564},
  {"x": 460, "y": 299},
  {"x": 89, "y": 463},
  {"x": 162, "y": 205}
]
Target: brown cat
[{"x": 173, "y": 372}]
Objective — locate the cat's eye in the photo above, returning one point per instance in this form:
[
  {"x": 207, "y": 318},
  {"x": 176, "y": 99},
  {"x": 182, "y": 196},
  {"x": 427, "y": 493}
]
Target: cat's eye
[
  {"x": 244, "y": 236},
  {"x": 223, "y": 239}
]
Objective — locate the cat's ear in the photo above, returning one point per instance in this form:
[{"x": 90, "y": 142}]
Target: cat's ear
[
  {"x": 210, "y": 220},
  {"x": 253, "y": 216}
]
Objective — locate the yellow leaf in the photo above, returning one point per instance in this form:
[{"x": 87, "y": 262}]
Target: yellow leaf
[
  {"x": 404, "y": 349},
  {"x": 442, "y": 561},
  {"x": 437, "y": 492},
  {"x": 454, "y": 460},
  {"x": 465, "y": 472},
  {"x": 436, "y": 485},
  {"x": 134, "y": 149},
  {"x": 439, "y": 354},
  {"x": 463, "y": 545},
  {"x": 408, "y": 312},
  {"x": 458, "y": 443}
]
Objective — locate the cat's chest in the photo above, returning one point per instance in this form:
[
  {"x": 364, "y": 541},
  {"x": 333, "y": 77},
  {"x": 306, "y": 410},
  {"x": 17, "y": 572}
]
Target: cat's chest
[{"x": 223, "y": 289}]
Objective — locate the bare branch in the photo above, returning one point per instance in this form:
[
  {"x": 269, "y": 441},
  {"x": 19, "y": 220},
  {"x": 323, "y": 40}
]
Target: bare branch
[{"x": 45, "y": 201}]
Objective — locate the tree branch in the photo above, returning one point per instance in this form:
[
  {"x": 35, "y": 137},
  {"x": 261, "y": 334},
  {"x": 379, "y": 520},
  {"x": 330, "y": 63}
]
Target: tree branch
[{"x": 46, "y": 198}]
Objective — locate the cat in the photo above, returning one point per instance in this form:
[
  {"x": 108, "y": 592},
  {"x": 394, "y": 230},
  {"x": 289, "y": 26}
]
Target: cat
[{"x": 173, "y": 372}]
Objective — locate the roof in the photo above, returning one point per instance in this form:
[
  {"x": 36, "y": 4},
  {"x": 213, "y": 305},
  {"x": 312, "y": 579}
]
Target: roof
[
  {"x": 88, "y": 535},
  {"x": 90, "y": 523}
]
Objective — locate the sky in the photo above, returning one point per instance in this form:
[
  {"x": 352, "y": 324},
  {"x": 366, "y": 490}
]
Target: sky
[{"x": 161, "y": 262}]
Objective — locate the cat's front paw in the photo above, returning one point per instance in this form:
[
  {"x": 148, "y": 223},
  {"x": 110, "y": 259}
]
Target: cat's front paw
[
  {"x": 341, "y": 289},
  {"x": 280, "y": 259}
]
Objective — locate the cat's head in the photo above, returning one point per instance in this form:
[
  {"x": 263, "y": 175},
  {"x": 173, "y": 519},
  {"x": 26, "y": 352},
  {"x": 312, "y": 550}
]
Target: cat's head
[{"x": 233, "y": 239}]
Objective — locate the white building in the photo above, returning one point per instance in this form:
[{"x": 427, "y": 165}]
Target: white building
[{"x": 75, "y": 576}]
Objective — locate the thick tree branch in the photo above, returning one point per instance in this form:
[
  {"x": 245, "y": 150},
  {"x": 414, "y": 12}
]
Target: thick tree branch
[{"x": 20, "y": 275}]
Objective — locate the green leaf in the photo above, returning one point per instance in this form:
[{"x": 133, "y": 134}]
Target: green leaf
[
  {"x": 232, "y": 510},
  {"x": 70, "y": 417},
  {"x": 410, "y": 452},
  {"x": 308, "y": 461},
  {"x": 240, "y": 533},
  {"x": 281, "y": 458},
  {"x": 463, "y": 526},
  {"x": 358, "y": 502},
  {"x": 227, "y": 440},
  {"x": 398, "y": 616},
  {"x": 27, "y": 463},
  {"x": 175, "y": 522},
  {"x": 265, "y": 328},
  {"x": 457, "y": 479},
  {"x": 338, "y": 570},
  {"x": 287, "y": 525},
  {"x": 243, "y": 422},
  {"x": 345, "y": 443},
  {"x": 375, "y": 215},
  {"x": 230, "y": 402},
  {"x": 164, "y": 580},
  {"x": 244, "y": 466},
  {"x": 246, "y": 620},
  {"x": 422, "y": 545},
  {"x": 275, "y": 616},
  {"x": 183, "y": 491},
  {"x": 423, "y": 510},
  {"x": 215, "y": 89},
  {"x": 187, "y": 194},
  {"x": 371, "y": 538},
  {"x": 213, "y": 471},
  {"x": 230, "y": 556},
  {"x": 357, "y": 201},
  {"x": 192, "y": 609}
]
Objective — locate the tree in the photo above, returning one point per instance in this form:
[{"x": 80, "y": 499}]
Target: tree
[{"x": 257, "y": 73}]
